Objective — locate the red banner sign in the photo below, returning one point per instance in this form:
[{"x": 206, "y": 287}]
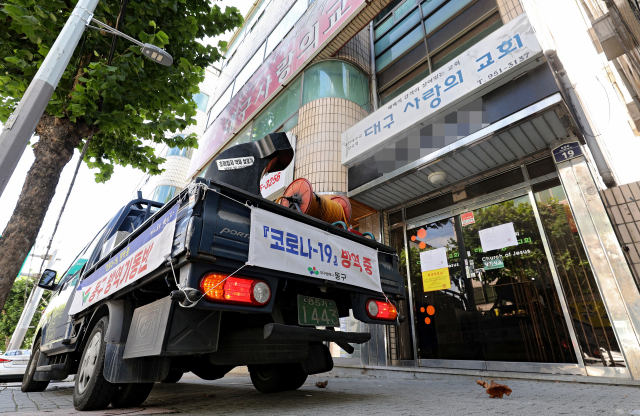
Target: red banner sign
[{"x": 321, "y": 23}]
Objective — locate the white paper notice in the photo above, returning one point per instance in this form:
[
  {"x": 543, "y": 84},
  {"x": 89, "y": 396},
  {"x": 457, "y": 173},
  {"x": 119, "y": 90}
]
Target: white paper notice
[
  {"x": 433, "y": 259},
  {"x": 498, "y": 237}
]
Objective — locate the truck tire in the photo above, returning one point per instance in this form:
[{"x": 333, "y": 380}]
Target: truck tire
[
  {"x": 131, "y": 394},
  {"x": 173, "y": 377},
  {"x": 29, "y": 385},
  {"x": 274, "y": 378},
  {"x": 92, "y": 391}
]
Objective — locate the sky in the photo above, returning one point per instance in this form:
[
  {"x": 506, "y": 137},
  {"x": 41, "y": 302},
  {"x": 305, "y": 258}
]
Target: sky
[{"x": 91, "y": 205}]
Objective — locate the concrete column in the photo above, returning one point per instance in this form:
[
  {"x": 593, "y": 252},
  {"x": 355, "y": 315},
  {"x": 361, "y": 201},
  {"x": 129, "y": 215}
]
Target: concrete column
[{"x": 611, "y": 271}]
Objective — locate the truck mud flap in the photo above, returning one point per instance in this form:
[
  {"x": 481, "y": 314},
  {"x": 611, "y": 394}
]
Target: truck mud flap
[
  {"x": 163, "y": 328},
  {"x": 133, "y": 370}
]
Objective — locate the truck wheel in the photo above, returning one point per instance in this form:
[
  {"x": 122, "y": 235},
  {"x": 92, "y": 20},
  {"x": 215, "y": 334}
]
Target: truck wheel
[
  {"x": 273, "y": 378},
  {"x": 131, "y": 394},
  {"x": 173, "y": 377},
  {"x": 29, "y": 385},
  {"x": 92, "y": 391}
]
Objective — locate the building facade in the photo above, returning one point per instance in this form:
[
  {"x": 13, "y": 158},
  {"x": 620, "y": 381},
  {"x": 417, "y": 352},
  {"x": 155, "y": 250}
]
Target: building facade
[{"x": 475, "y": 130}]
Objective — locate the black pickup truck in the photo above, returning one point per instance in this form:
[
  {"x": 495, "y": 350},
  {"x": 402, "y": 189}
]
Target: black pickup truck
[{"x": 127, "y": 314}]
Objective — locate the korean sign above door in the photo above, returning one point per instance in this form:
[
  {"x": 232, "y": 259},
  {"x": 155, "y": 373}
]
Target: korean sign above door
[
  {"x": 496, "y": 59},
  {"x": 319, "y": 25}
]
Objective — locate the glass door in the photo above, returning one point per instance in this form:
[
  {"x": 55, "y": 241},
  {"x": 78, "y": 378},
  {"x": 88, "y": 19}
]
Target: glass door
[{"x": 502, "y": 303}]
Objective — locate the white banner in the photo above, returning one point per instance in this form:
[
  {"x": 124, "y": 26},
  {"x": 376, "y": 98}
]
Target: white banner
[
  {"x": 279, "y": 243},
  {"x": 137, "y": 259},
  {"x": 481, "y": 68}
]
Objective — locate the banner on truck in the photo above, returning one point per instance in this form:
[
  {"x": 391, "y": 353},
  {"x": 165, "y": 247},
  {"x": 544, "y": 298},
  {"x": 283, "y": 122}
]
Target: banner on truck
[
  {"x": 278, "y": 243},
  {"x": 137, "y": 259}
]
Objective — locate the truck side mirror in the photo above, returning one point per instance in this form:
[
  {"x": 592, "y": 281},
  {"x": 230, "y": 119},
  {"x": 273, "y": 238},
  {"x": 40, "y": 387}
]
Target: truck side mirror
[{"x": 48, "y": 279}]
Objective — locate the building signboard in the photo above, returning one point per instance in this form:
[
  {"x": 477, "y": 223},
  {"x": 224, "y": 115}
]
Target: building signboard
[
  {"x": 496, "y": 59},
  {"x": 319, "y": 25},
  {"x": 567, "y": 151}
]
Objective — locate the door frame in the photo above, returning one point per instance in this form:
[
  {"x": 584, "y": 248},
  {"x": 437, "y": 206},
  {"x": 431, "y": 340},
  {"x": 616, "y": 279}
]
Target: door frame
[{"x": 505, "y": 194}]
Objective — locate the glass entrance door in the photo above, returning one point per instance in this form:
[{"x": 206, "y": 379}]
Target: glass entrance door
[{"x": 502, "y": 303}]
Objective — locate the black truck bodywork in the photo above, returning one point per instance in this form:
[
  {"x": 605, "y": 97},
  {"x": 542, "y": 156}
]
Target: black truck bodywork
[{"x": 154, "y": 331}]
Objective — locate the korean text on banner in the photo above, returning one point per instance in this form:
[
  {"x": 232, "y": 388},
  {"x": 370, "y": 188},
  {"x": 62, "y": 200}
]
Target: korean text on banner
[
  {"x": 137, "y": 259},
  {"x": 498, "y": 237},
  {"x": 278, "y": 243},
  {"x": 435, "y": 270},
  {"x": 322, "y": 22},
  {"x": 481, "y": 68}
]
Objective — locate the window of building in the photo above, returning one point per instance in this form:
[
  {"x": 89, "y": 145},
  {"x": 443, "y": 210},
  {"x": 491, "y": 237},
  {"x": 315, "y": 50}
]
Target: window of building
[
  {"x": 220, "y": 105},
  {"x": 176, "y": 151},
  {"x": 249, "y": 69},
  {"x": 292, "y": 17},
  {"x": 164, "y": 193},
  {"x": 276, "y": 113},
  {"x": 451, "y": 27},
  {"x": 336, "y": 79},
  {"x": 201, "y": 100}
]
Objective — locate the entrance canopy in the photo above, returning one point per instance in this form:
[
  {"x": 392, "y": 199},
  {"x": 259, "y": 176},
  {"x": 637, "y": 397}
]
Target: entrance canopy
[{"x": 525, "y": 133}]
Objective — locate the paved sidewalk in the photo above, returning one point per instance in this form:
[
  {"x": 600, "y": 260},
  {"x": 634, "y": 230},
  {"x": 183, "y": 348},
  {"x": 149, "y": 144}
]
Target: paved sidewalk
[{"x": 440, "y": 395}]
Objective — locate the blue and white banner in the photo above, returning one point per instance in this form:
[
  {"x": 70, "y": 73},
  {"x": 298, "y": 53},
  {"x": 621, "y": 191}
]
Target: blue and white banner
[
  {"x": 137, "y": 259},
  {"x": 278, "y": 243},
  {"x": 496, "y": 59}
]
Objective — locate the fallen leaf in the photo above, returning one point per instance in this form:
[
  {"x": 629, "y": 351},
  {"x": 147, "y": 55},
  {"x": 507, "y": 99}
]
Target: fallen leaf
[
  {"x": 494, "y": 389},
  {"x": 322, "y": 384}
]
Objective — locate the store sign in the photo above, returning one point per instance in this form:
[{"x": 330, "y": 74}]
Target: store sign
[
  {"x": 484, "y": 67},
  {"x": 467, "y": 218},
  {"x": 278, "y": 243},
  {"x": 567, "y": 151},
  {"x": 319, "y": 25},
  {"x": 139, "y": 258},
  {"x": 493, "y": 264}
]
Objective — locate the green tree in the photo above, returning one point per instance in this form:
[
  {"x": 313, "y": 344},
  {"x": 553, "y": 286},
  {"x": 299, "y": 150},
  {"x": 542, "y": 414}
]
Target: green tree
[
  {"x": 13, "y": 309},
  {"x": 121, "y": 105}
]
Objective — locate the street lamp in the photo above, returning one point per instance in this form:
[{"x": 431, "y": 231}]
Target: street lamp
[{"x": 157, "y": 55}]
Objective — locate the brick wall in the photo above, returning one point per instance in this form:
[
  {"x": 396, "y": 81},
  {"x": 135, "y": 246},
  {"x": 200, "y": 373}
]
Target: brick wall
[{"x": 623, "y": 206}]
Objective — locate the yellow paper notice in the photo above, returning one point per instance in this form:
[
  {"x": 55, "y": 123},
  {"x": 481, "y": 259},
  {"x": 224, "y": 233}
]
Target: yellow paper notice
[{"x": 437, "y": 279}]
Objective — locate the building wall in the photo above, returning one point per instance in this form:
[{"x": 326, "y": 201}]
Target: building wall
[
  {"x": 318, "y": 149},
  {"x": 623, "y": 207}
]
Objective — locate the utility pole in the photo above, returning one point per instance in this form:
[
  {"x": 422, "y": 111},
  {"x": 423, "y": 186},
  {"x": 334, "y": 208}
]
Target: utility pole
[
  {"x": 22, "y": 123},
  {"x": 29, "y": 310}
]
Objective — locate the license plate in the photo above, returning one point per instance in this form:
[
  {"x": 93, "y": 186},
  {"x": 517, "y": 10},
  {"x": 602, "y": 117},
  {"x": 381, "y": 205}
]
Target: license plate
[
  {"x": 21, "y": 362},
  {"x": 317, "y": 312}
]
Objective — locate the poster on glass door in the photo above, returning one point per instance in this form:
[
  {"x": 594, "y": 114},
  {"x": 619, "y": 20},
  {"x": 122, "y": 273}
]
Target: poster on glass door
[{"x": 435, "y": 270}]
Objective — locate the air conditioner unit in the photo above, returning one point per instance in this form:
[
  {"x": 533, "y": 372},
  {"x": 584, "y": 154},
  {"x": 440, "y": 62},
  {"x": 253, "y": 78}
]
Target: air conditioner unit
[{"x": 606, "y": 31}]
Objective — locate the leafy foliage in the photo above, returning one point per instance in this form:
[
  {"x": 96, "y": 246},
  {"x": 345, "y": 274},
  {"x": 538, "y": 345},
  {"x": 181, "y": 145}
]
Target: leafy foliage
[
  {"x": 132, "y": 101},
  {"x": 13, "y": 309}
]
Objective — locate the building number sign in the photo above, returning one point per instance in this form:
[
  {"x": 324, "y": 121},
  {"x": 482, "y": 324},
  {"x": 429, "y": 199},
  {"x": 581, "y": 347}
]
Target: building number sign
[{"x": 567, "y": 151}]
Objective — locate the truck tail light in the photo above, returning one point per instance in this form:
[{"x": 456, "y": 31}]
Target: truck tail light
[
  {"x": 235, "y": 289},
  {"x": 377, "y": 309}
]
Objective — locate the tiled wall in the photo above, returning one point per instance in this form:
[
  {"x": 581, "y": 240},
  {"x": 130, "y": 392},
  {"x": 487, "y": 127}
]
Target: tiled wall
[
  {"x": 318, "y": 148},
  {"x": 509, "y": 9},
  {"x": 623, "y": 206},
  {"x": 358, "y": 51}
]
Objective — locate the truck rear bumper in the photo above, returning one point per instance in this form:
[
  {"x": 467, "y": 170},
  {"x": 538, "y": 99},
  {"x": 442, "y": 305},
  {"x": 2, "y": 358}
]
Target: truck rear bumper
[{"x": 297, "y": 333}]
